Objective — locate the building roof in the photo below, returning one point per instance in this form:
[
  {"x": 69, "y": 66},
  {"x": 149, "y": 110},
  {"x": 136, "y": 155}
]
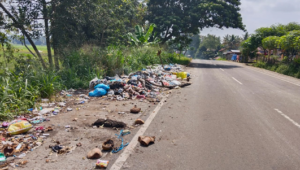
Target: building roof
[
  {"x": 236, "y": 51},
  {"x": 227, "y": 52}
]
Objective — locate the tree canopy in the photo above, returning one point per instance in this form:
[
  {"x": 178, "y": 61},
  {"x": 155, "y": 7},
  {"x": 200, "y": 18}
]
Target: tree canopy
[
  {"x": 177, "y": 18},
  {"x": 284, "y": 37}
]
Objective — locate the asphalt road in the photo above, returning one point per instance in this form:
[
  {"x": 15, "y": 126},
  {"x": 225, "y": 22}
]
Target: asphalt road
[{"x": 233, "y": 117}]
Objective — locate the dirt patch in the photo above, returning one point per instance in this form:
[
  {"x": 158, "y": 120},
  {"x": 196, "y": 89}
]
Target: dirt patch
[{"x": 69, "y": 133}]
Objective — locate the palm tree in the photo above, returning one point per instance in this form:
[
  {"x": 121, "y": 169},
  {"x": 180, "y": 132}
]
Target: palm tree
[
  {"x": 232, "y": 42},
  {"x": 246, "y": 36}
]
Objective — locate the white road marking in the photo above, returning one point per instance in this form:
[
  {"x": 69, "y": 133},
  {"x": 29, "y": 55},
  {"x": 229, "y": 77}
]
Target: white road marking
[
  {"x": 130, "y": 148},
  {"x": 237, "y": 80},
  {"x": 221, "y": 69},
  {"x": 288, "y": 118}
]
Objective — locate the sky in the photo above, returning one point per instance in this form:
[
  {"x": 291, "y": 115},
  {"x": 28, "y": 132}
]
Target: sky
[{"x": 262, "y": 13}]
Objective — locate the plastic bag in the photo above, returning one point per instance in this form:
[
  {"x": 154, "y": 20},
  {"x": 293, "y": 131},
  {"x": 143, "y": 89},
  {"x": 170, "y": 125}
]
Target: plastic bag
[
  {"x": 19, "y": 127},
  {"x": 103, "y": 86},
  {"x": 102, "y": 163},
  {"x": 177, "y": 83},
  {"x": 2, "y": 157},
  {"x": 99, "y": 92}
]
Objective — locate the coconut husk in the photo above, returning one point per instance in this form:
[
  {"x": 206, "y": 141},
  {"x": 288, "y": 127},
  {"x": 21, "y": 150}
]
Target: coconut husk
[
  {"x": 135, "y": 110},
  {"x": 139, "y": 122},
  {"x": 146, "y": 140},
  {"x": 108, "y": 145},
  {"x": 94, "y": 154}
]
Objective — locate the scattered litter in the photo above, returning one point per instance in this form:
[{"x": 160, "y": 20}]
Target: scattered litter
[
  {"x": 109, "y": 123},
  {"x": 125, "y": 132},
  {"x": 108, "y": 145},
  {"x": 146, "y": 140},
  {"x": 117, "y": 149},
  {"x": 102, "y": 163},
  {"x": 61, "y": 104},
  {"x": 79, "y": 144},
  {"x": 135, "y": 110},
  {"x": 2, "y": 157},
  {"x": 94, "y": 154},
  {"x": 19, "y": 127},
  {"x": 139, "y": 122}
]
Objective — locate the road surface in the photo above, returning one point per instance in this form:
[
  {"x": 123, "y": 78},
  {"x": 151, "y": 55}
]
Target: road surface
[{"x": 233, "y": 117}]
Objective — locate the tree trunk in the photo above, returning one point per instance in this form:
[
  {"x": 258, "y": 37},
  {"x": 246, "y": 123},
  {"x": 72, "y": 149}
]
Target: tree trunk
[
  {"x": 269, "y": 54},
  {"x": 21, "y": 27},
  {"x": 54, "y": 38},
  {"x": 4, "y": 57},
  {"x": 45, "y": 13}
]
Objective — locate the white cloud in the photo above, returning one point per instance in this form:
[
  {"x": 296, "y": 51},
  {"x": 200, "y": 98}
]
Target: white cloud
[{"x": 262, "y": 13}]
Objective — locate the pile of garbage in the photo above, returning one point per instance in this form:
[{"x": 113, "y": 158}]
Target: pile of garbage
[{"x": 143, "y": 84}]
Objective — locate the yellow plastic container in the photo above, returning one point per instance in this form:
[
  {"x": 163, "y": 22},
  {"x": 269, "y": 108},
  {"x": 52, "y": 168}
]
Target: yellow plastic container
[{"x": 182, "y": 75}]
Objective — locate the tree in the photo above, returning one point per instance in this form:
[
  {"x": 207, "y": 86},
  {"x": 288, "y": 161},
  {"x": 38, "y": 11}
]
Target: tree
[
  {"x": 231, "y": 42},
  {"x": 22, "y": 18},
  {"x": 7, "y": 50},
  {"x": 175, "y": 19},
  {"x": 249, "y": 49},
  {"x": 297, "y": 43},
  {"x": 287, "y": 43},
  {"x": 270, "y": 43},
  {"x": 246, "y": 36},
  {"x": 194, "y": 45},
  {"x": 94, "y": 22},
  {"x": 209, "y": 46}
]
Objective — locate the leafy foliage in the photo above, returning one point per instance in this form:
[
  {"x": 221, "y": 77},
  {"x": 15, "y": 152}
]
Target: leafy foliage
[
  {"x": 142, "y": 37},
  {"x": 209, "y": 46},
  {"x": 232, "y": 42},
  {"x": 178, "y": 18}
]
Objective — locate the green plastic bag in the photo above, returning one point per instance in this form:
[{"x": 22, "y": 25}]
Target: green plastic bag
[{"x": 2, "y": 157}]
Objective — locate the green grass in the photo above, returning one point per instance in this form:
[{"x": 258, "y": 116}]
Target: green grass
[
  {"x": 23, "y": 50},
  {"x": 221, "y": 59}
]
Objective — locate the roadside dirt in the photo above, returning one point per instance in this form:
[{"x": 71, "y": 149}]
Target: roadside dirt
[{"x": 83, "y": 132}]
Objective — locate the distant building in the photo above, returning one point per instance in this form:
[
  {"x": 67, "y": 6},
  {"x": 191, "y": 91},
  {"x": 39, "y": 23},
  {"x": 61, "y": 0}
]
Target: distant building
[{"x": 228, "y": 54}]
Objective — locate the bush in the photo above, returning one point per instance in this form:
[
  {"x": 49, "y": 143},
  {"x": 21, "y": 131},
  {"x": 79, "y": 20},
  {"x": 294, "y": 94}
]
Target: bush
[
  {"x": 260, "y": 64},
  {"x": 16, "y": 95},
  {"x": 283, "y": 69}
]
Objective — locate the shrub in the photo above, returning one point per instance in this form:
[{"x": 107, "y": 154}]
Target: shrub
[
  {"x": 16, "y": 95},
  {"x": 283, "y": 69},
  {"x": 260, "y": 64}
]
